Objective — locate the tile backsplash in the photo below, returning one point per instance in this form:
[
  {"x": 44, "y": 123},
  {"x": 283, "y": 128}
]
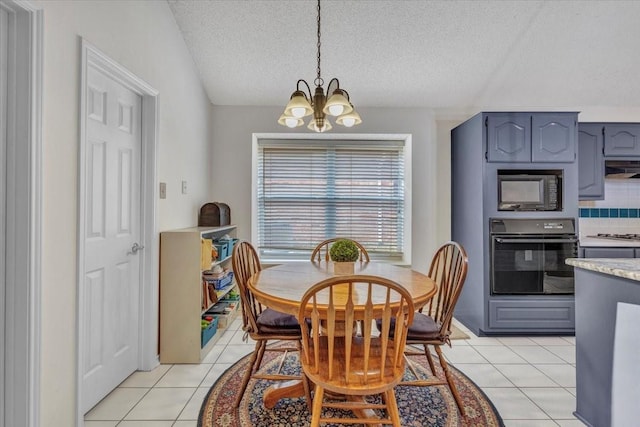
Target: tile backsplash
[
  {"x": 619, "y": 212},
  {"x": 609, "y": 213}
]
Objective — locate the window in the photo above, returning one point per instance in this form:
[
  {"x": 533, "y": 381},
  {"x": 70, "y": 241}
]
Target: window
[{"x": 311, "y": 190}]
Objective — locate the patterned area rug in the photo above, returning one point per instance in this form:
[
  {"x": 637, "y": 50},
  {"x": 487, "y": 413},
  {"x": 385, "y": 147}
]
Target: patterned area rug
[{"x": 419, "y": 406}]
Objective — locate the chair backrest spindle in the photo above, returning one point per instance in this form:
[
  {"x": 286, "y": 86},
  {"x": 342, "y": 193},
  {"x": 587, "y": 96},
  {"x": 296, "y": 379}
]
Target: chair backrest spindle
[
  {"x": 335, "y": 307},
  {"x": 245, "y": 264},
  {"x": 448, "y": 270}
]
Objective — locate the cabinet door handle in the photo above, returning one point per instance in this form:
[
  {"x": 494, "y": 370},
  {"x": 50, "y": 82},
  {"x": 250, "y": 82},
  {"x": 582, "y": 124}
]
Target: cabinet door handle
[{"x": 501, "y": 240}]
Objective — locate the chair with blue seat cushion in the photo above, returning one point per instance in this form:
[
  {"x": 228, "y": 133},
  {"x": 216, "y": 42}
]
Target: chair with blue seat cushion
[
  {"x": 431, "y": 326},
  {"x": 260, "y": 323}
]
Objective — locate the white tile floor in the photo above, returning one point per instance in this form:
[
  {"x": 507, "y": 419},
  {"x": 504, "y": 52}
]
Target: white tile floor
[{"x": 530, "y": 380}]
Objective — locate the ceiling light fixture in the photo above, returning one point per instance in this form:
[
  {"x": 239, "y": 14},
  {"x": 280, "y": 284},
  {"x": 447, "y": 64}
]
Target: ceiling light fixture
[{"x": 303, "y": 104}]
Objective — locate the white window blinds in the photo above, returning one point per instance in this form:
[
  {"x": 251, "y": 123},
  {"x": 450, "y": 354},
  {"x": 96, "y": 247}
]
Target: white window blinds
[{"x": 309, "y": 191}]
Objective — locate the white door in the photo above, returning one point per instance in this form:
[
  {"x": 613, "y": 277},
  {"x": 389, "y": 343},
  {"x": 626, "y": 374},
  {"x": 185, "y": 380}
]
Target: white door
[{"x": 111, "y": 273}]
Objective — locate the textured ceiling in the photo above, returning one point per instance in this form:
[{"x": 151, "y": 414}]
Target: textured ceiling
[{"x": 448, "y": 55}]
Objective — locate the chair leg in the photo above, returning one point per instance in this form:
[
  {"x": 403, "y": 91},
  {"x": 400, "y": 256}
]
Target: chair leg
[
  {"x": 429, "y": 359},
  {"x": 449, "y": 377},
  {"x": 307, "y": 392},
  {"x": 389, "y": 397},
  {"x": 263, "y": 348},
  {"x": 316, "y": 412},
  {"x": 247, "y": 375}
]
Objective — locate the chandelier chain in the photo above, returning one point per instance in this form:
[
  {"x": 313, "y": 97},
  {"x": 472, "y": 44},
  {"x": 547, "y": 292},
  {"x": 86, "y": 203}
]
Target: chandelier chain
[{"x": 319, "y": 81}]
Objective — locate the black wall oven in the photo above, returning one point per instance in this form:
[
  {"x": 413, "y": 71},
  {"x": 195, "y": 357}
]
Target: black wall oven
[{"x": 528, "y": 256}]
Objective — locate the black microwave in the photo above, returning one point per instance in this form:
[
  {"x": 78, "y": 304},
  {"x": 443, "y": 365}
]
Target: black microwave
[{"x": 529, "y": 192}]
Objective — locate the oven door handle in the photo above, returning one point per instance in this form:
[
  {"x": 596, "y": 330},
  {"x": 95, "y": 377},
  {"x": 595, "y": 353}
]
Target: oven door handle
[{"x": 502, "y": 240}]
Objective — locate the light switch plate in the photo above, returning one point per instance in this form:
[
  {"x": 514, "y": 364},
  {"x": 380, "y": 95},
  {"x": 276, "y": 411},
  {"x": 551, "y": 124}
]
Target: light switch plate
[
  {"x": 184, "y": 187},
  {"x": 163, "y": 190}
]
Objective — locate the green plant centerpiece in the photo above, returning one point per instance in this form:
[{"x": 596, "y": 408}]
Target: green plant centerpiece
[{"x": 344, "y": 253}]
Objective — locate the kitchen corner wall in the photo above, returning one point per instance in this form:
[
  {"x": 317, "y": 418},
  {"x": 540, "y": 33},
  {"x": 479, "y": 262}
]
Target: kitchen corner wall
[
  {"x": 443, "y": 174},
  {"x": 618, "y": 213},
  {"x": 231, "y": 165}
]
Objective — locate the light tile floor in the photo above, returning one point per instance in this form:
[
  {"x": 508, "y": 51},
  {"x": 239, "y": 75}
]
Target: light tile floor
[{"x": 530, "y": 380}]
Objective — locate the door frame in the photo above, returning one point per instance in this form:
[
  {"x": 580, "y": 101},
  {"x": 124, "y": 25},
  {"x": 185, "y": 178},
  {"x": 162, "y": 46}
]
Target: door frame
[
  {"x": 149, "y": 262},
  {"x": 23, "y": 222}
]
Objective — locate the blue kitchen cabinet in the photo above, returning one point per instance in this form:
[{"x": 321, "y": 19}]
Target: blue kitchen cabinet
[
  {"x": 597, "y": 297},
  {"x": 509, "y": 137},
  {"x": 531, "y": 137},
  {"x": 621, "y": 140},
  {"x": 607, "y": 252},
  {"x": 553, "y": 138},
  {"x": 482, "y": 147},
  {"x": 533, "y": 314},
  {"x": 590, "y": 161}
]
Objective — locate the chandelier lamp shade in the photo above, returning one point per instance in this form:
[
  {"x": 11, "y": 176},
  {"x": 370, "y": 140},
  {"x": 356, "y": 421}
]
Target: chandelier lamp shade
[{"x": 335, "y": 103}]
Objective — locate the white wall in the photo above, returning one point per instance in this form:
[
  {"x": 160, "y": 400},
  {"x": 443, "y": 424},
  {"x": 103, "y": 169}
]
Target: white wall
[
  {"x": 231, "y": 164},
  {"x": 607, "y": 114},
  {"x": 231, "y": 159},
  {"x": 143, "y": 37}
]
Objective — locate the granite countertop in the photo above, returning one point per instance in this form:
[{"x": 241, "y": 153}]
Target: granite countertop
[{"x": 629, "y": 268}]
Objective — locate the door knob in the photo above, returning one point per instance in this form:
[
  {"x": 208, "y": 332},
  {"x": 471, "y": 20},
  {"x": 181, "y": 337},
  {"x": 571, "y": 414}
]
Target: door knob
[{"x": 135, "y": 248}]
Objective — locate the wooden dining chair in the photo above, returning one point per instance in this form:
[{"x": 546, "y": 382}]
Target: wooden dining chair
[
  {"x": 321, "y": 251},
  {"x": 260, "y": 323},
  {"x": 432, "y": 324},
  {"x": 338, "y": 360}
]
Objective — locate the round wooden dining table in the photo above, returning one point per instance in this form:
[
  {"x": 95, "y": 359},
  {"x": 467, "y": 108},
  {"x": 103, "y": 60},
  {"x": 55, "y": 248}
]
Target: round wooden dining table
[{"x": 281, "y": 288}]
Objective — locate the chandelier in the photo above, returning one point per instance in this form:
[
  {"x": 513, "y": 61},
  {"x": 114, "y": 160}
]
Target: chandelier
[{"x": 303, "y": 104}]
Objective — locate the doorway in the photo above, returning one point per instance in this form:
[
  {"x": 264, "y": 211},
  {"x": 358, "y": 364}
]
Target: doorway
[
  {"x": 117, "y": 238},
  {"x": 20, "y": 211}
]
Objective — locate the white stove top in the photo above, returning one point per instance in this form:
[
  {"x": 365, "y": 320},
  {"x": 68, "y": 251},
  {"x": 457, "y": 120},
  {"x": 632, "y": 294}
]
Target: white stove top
[
  {"x": 610, "y": 240},
  {"x": 623, "y": 237}
]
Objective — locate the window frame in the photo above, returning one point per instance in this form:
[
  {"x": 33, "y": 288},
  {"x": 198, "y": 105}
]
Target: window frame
[{"x": 295, "y": 139}]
